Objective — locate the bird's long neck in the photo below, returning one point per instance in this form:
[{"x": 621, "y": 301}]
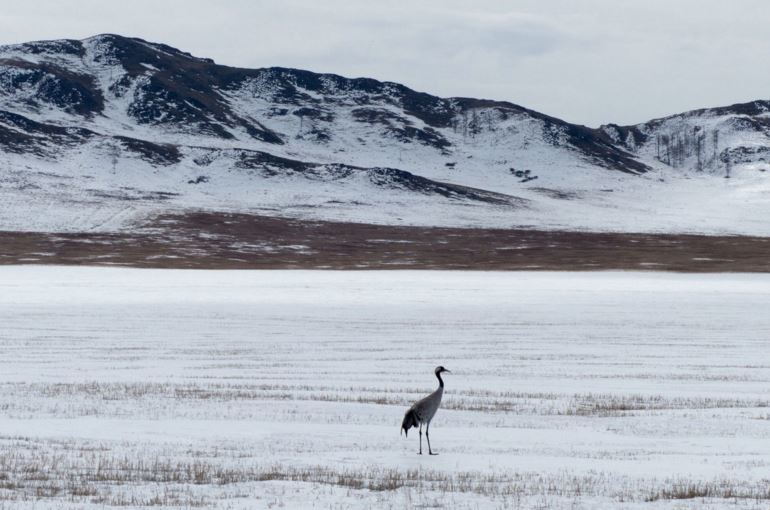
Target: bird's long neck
[{"x": 440, "y": 380}]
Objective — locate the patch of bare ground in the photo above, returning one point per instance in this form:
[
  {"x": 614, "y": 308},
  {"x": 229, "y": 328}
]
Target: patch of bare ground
[{"x": 211, "y": 240}]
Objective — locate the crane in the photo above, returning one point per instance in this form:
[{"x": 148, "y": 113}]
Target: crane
[{"x": 424, "y": 410}]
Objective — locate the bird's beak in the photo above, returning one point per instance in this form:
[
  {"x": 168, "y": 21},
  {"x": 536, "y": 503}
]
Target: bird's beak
[{"x": 447, "y": 371}]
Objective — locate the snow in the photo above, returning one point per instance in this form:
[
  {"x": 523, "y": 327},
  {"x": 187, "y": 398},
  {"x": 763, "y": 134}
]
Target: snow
[
  {"x": 260, "y": 389},
  {"x": 79, "y": 189},
  {"x": 82, "y": 193}
]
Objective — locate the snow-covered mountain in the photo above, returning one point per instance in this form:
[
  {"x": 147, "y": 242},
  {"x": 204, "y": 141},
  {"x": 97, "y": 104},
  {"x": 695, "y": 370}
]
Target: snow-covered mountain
[
  {"x": 101, "y": 134},
  {"x": 712, "y": 140}
]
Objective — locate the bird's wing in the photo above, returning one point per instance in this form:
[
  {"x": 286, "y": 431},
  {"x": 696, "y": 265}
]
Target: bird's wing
[{"x": 427, "y": 406}]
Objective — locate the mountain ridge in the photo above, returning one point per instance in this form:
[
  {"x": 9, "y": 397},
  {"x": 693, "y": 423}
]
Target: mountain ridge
[{"x": 110, "y": 112}]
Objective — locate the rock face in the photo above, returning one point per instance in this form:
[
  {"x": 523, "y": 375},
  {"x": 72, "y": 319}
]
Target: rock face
[{"x": 106, "y": 122}]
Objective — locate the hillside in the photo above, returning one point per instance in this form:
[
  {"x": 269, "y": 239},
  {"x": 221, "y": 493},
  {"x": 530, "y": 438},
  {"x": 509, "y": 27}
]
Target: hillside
[{"x": 108, "y": 133}]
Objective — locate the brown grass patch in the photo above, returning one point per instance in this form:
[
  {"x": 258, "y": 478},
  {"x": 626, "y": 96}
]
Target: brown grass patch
[{"x": 240, "y": 241}]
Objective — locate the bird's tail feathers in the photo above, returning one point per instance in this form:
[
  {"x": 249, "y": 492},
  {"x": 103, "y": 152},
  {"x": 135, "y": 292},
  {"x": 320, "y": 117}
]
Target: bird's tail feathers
[{"x": 410, "y": 420}]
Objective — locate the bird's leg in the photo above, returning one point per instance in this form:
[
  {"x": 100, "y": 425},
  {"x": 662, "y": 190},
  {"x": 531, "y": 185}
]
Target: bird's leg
[
  {"x": 420, "y": 438},
  {"x": 427, "y": 436}
]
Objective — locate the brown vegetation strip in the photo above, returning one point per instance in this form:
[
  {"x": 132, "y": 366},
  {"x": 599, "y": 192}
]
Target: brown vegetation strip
[{"x": 209, "y": 240}]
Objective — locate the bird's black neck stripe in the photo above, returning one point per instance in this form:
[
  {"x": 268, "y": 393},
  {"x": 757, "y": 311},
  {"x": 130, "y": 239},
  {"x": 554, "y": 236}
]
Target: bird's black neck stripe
[{"x": 440, "y": 380}]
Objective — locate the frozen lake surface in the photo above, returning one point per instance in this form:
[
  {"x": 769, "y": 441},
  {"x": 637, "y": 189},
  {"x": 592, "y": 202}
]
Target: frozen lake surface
[{"x": 286, "y": 389}]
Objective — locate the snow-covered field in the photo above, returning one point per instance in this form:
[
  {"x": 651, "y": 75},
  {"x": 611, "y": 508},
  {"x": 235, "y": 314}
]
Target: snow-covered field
[{"x": 285, "y": 389}]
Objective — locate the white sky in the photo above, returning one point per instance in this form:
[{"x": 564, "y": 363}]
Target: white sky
[{"x": 586, "y": 61}]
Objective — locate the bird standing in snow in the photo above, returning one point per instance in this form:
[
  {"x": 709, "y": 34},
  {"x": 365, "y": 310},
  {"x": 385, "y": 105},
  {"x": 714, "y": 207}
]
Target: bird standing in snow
[{"x": 424, "y": 410}]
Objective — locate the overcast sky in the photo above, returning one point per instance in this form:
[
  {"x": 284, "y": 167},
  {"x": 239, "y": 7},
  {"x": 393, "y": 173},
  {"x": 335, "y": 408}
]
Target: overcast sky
[{"x": 586, "y": 61}]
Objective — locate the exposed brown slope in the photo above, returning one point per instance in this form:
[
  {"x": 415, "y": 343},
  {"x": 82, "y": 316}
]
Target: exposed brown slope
[{"x": 240, "y": 241}]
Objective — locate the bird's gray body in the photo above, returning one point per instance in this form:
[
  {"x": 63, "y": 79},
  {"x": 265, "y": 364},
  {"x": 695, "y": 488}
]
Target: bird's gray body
[
  {"x": 423, "y": 411},
  {"x": 425, "y": 408}
]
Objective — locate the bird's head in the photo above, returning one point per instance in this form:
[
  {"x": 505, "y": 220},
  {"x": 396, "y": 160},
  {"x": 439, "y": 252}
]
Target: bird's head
[{"x": 441, "y": 370}]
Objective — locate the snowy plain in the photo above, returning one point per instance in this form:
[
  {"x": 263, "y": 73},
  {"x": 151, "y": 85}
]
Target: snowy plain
[{"x": 285, "y": 389}]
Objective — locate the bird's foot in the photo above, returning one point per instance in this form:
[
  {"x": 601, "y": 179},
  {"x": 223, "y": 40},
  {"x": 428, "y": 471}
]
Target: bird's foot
[
  {"x": 419, "y": 453},
  {"x": 432, "y": 453}
]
